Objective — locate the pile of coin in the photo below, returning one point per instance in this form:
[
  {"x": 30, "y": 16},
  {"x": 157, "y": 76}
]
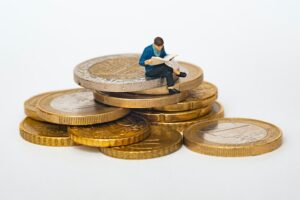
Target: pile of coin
[{"x": 128, "y": 115}]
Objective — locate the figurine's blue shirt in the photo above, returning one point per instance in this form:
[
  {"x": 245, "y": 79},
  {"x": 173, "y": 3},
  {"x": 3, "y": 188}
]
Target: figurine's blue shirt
[{"x": 147, "y": 54}]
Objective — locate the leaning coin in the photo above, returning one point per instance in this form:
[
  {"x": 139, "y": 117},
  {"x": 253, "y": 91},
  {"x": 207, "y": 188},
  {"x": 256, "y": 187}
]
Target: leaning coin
[
  {"x": 202, "y": 96},
  {"x": 30, "y": 105},
  {"x": 162, "y": 141},
  {"x": 115, "y": 73},
  {"x": 76, "y": 107},
  {"x": 130, "y": 100},
  {"x": 124, "y": 131},
  {"x": 231, "y": 137},
  {"x": 163, "y": 116},
  {"x": 45, "y": 133}
]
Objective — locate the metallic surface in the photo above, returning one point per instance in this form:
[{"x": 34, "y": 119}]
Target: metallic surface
[
  {"x": 217, "y": 112},
  {"x": 232, "y": 137},
  {"x": 30, "y": 106},
  {"x": 162, "y": 141},
  {"x": 130, "y": 100},
  {"x": 163, "y": 116},
  {"x": 124, "y": 131},
  {"x": 44, "y": 133},
  {"x": 115, "y": 73},
  {"x": 205, "y": 94},
  {"x": 76, "y": 107}
]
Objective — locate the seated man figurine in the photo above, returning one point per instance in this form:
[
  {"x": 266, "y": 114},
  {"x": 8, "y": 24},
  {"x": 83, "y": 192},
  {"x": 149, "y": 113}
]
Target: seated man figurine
[{"x": 160, "y": 70}]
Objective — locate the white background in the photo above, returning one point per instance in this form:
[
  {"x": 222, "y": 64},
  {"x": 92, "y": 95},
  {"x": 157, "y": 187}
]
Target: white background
[{"x": 249, "y": 49}]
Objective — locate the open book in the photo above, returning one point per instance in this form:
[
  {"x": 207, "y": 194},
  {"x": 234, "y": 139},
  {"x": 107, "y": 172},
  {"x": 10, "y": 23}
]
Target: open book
[{"x": 159, "y": 60}]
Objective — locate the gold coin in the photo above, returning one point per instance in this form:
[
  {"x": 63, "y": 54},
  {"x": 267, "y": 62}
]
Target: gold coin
[
  {"x": 193, "y": 79},
  {"x": 162, "y": 116},
  {"x": 130, "y": 100},
  {"x": 30, "y": 106},
  {"x": 124, "y": 131},
  {"x": 76, "y": 107},
  {"x": 44, "y": 133},
  {"x": 205, "y": 94},
  {"x": 162, "y": 141},
  {"x": 232, "y": 137},
  {"x": 115, "y": 73},
  {"x": 216, "y": 112}
]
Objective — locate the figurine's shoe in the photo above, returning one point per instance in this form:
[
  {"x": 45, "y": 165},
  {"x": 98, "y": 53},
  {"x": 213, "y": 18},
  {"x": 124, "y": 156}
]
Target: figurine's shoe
[
  {"x": 182, "y": 74},
  {"x": 173, "y": 91}
]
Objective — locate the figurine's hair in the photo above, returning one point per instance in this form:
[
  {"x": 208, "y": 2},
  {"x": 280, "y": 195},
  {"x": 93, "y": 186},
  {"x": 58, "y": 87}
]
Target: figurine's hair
[{"x": 158, "y": 41}]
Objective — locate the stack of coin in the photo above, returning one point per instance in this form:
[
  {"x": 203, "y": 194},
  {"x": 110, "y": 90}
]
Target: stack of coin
[
  {"x": 200, "y": 105},
  {"x": 72, "y": 117},
  {"x": 49, "y": 115},
  {"x": 127, "y": 115},
  {"x": 118, "y": 80}
]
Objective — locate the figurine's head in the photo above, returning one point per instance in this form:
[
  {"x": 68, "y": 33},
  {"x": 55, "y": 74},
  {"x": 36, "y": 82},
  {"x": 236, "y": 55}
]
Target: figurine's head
[{"x": 158, "y": 43}]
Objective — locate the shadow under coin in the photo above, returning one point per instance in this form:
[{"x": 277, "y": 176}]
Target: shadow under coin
[{"x": 88, "y": 149}]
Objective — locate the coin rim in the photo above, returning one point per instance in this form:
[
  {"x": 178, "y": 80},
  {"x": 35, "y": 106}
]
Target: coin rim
[
  {"x": 113, "y": 141},
  {"x": 105, "y": 98},
  {"x": 158, "y": 116},
  {"x": 70, "y": 119},
  {"x": 180, "y": 126},
  {"x": 116, "y": 153},
  {"x": 262, "y": 146},
  {"x": 190, "y": 105},
  {"x": 109, "y": 87},
  {"x": 31, "y": 111},
  {"x": 44, "y": 140}
]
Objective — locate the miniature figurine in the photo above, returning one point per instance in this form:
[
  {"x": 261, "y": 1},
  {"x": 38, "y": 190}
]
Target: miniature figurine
[{"x": 157, "y": 64}]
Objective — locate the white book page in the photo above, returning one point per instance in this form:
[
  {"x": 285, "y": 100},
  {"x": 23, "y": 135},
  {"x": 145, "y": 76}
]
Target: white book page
[{"x": 158, "y": 60}]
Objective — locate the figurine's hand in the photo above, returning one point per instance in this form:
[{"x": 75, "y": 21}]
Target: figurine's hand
[{"x": 148, "y": 62}]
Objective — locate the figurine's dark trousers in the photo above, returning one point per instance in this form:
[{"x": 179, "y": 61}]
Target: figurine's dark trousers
[{"x": 162, "y": 70}]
